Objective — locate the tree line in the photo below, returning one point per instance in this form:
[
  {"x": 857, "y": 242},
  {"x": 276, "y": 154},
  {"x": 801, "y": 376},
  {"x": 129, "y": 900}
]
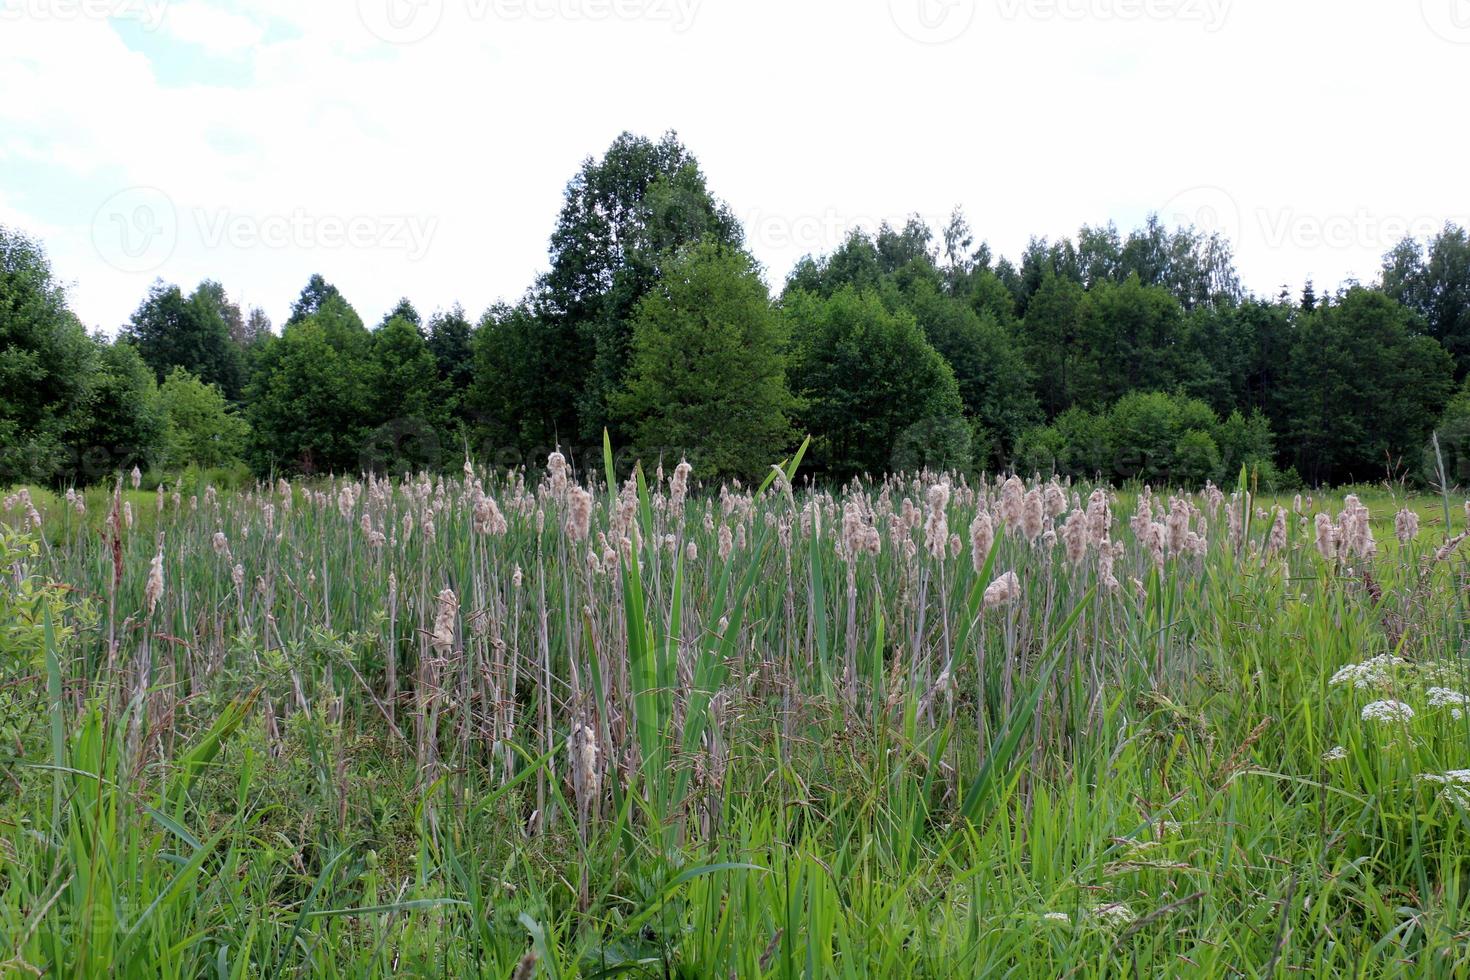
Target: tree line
[{"x": 1124, "y": 357}]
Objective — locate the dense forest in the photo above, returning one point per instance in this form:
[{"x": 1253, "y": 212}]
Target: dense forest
[{"x": 1121, "y": 357}]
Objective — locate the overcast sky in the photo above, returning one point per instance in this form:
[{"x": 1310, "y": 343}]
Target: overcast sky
[{"x": 420, "y": 148}]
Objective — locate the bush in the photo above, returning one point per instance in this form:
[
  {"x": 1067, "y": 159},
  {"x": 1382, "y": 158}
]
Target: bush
[{"x": 1153, "y": 438}]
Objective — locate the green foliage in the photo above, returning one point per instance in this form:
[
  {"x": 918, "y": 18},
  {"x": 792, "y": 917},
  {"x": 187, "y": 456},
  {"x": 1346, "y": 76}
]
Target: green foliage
[
  {"x": 171, "y": 331},
  {"x": 1164, "y": 440},
  {"x": 1131, "y": 337},
  {"x": 1433, "y": 280},
  {"x": 1352, "y": 383},
  {"x": 994, "y": 382},
  {"x": 621, "y": 217},
  {"x": 1364, "y": 389},
  {"x": 126, "y": 421},
  {"x": 308, "y": 397},
  {"x": 522, "y": 386},
  {"x": 202, "y": 428},
  {"x": 872, "y": 386},
  {"x": 1052, "y": 332},
  {"x": 449, "y": 341},
  {"x": 47, "y": 366},
  {"x": 407, "y": 401},
  {"x": 706, "y": 378}
]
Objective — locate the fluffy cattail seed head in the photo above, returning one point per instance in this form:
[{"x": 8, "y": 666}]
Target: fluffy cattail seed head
[
  {"x": 442, "y": 638},
  {"x": 579, "y": 514},
  {"x": 1327, "y": 538},
  {"x": 154, "y": 589},
  {"x": 982, "y": 538},
  {"x": 1406, "y": 526},
  {"x": 1075, "y": 537},
  {"x": 936, "y": 527},
  {"x": 1004, "y": 591}
]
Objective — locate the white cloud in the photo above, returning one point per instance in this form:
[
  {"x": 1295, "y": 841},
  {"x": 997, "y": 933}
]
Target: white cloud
[{"x": 217, "y": 31}]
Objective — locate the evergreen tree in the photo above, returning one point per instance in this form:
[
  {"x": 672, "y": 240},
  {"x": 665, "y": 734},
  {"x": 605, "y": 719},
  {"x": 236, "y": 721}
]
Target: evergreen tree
[
  {"x": 172, "y": 331},
  {"x": 706, "y": 379},
  {"x": 313, "y": 296}
]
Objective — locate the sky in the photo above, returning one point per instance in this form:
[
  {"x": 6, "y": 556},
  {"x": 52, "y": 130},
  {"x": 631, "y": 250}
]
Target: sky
[{"x": 420, "y": 148}]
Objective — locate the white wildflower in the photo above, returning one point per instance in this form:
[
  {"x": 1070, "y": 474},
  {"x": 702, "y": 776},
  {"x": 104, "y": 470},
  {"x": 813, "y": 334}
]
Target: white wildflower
[{"x": 1388, "y": 711}]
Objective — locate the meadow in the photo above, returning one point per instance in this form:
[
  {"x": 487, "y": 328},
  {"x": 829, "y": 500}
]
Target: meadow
[{"x": 588, "y": 724}]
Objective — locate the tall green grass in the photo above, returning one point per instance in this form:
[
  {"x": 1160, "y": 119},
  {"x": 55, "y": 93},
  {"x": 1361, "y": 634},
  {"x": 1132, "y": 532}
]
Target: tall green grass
[{"x": 1155, "y": 778}]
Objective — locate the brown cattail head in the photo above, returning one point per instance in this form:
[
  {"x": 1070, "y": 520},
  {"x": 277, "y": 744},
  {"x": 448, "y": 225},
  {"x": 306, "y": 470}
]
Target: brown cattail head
[
  {"x": 1357, "y": 532},
  {"x": 936, "y": 527},
  {"x": 1106, "y": 580},
  {"x": 488, "y": 517},
  {"x": 1099, "y": 517},
  {"x": 582, "y": 759},
  {"x": 1276, "y": 542},
  {"x": 1327, "y": 538},
  {"x": 982, "y": 539},
  {"x": 445, "y": 618},
  {"x": 1012, "y": 504},
  {"x": 679, "y": 485},
  {"x": 579, "y": 514},
  {"x": 1004, "y": 591},
  {"x": 1033, "y": 515},
  {"x": 556, "y": 469},
  {"x": 1406, "y": 526},
  {"x": 154, "y": 590},
  {"x": 1075, "y": 537}
]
